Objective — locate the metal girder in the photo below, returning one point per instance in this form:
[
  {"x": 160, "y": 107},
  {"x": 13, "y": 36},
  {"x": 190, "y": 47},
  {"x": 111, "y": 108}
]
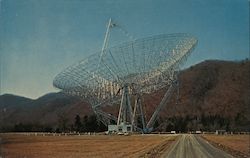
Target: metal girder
[
  {"x": 112, "y": 74},
  {"x": 125, "y": 115},
  {"x": 163, "y": 102}
]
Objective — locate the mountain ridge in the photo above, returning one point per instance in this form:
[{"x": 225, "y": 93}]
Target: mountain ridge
[{"x": 211, "y": 88}]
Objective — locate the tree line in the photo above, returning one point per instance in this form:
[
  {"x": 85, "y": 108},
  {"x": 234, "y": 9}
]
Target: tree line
[
  {"x": 177, "y": 123},
  {"x": 203, "y": 122},
  {"x": 80, "y": 124}
]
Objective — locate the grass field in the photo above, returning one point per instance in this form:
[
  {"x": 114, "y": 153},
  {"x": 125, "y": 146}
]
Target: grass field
[
  {"x": 17, "y": 145},
  {"x": 237, "y": 145}
]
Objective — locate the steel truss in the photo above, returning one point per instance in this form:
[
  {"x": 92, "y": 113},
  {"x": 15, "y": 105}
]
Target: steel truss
[{"x": 133, "y": 68}]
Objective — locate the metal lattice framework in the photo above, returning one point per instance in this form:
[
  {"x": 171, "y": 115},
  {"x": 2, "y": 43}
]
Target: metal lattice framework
[{"x": 137, "y": 67}]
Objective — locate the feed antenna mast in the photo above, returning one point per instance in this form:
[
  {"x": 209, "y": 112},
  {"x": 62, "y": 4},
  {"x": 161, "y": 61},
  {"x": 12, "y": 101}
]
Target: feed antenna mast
[
  {"x": 106, "y": 38},
  {"x": 125, "y": 115}
]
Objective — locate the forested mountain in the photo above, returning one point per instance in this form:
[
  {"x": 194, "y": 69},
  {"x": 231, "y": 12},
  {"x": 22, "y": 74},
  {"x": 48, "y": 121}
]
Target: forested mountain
[{"x": 212, "y": 95}]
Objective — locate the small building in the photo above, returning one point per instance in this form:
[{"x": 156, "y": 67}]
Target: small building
[
  {"x": 122, "y": 128},
  {"x": 112, "y": 128},
  {"x": 173, "y": 132},
  {"x": 198, "y": 132},
  {"x": 220, "y": 132}
]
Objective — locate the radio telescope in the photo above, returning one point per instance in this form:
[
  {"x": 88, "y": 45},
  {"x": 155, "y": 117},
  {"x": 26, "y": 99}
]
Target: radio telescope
[{"x": 124, "y": 73}]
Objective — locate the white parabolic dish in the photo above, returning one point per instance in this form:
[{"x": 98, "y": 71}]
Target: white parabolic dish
[{"x": 147, "y": 64}]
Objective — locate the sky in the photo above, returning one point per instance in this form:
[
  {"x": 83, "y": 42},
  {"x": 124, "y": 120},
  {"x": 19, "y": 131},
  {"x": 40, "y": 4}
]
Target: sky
[{"x": 40, "y": 38}]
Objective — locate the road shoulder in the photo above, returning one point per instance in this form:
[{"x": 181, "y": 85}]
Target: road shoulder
[{"x": 227, "y": 149}]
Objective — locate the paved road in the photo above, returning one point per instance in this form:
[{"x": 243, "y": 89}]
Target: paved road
[{"x": 193, "y": 146}]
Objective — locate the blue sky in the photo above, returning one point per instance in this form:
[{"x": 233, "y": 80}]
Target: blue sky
[{"x": 39, "y": 38}]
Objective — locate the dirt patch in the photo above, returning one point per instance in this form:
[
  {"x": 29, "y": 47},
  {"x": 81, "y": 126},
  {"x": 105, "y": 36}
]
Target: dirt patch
[
  {"x": 236, "y": 145},
  {"x": 160, "y": 149},
  {"x": 82, "y": 146}
]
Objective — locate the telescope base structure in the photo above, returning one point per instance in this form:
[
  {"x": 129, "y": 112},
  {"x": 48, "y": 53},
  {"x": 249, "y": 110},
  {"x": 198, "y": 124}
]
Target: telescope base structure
[
  {"x": 125, "y": 116},
  {"x": 124, "y": 122},
  {"x": 119, "y": 129}
]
